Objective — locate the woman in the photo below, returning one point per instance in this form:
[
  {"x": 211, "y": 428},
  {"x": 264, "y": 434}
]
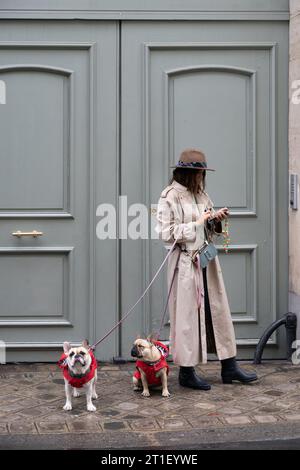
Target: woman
[{"x": 200, "y": 317}]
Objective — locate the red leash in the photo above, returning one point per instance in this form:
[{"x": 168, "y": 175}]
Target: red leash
[
  {"x": 93, "y": 347},
  {"x": 167, "y": 303}
]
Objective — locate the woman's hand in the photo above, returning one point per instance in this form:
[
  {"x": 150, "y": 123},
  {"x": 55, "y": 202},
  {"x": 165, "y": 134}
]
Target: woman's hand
[
  {"x": 207, "y": 214},
  {"x": 221, "y": 214}
]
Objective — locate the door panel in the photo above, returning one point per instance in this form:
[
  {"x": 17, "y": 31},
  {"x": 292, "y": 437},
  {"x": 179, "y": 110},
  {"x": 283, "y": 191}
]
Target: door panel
[
  {"x": 53, "y": 127},
  {"x": 183, "y": 87}
]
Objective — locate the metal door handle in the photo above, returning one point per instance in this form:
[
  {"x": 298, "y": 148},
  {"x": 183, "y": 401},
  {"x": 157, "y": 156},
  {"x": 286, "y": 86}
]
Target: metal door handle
[{"x": 34, "y": 234}]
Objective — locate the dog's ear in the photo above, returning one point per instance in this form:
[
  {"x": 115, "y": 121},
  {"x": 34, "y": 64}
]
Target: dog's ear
[
  {"x": 85, "y": 343},
  {"x": 66, "y": 347},
  {"x": 151, "y": 337}
]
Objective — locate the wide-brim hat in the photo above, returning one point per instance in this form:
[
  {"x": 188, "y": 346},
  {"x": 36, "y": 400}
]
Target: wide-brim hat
[{"x": 192, "y": 159}]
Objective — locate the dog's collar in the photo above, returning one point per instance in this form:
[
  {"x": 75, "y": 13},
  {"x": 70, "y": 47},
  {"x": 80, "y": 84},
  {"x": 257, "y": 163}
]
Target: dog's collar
[
  {"x": 79, "y": 376},
  {"x": 151, "y": 364},
  {"x": 161, "y": 350}
]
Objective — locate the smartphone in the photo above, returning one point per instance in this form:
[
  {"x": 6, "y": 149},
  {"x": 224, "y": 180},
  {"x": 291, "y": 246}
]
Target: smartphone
[{"x": 212, "y": 218}]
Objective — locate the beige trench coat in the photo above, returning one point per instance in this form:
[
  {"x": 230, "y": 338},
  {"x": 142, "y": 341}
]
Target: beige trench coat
[{"x": 176, "y": 215}]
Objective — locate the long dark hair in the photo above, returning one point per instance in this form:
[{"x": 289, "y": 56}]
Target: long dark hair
[{"x": 188, "y": 178}]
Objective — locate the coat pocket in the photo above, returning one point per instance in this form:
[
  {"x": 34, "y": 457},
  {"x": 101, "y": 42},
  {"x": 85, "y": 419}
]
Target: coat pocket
[{"x": 185, "y": 268}]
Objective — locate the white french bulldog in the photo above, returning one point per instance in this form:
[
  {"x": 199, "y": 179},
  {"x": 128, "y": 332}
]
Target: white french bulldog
[{"x": 80, "y": 371}]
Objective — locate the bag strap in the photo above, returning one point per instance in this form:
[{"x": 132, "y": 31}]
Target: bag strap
[{"x": 204, "y": 225}]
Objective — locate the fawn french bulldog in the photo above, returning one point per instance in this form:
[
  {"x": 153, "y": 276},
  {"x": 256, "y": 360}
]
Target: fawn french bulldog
[{"x": 151, "y": 365}]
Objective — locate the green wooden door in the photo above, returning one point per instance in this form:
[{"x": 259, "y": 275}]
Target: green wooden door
[
  {"x": 221, "y": 87},
  {"x": 55, "y": 142}
]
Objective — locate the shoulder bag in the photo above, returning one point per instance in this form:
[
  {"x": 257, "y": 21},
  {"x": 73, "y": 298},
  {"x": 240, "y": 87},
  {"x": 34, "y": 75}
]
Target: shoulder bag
[{"x": 207, "y": 251}]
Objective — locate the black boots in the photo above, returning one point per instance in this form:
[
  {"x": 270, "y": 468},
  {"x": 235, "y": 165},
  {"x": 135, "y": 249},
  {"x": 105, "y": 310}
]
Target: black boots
[
  {"x": 231, "y": 371},
  {"x": 189, "y": 378}
]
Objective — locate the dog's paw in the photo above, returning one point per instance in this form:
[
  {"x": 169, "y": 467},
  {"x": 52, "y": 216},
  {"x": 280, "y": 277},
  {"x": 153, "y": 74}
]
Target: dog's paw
[
  {"x": 67, "y": 407},
  {"x": 146, "y": 393},
  {"x": 94, "y": 396},
  {"x": 91, "y": 407},
  {"x": 166, "y": 394},
  {"x": 76, "y": 394}
]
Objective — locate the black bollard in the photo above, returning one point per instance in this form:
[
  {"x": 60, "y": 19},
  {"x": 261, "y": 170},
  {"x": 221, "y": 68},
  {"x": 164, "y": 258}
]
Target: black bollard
[
  {"x": 290, "y": 322},
  {"x": 291, "y": 327}
]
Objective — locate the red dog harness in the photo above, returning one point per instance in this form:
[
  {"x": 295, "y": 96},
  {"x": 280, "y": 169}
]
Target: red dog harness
[
  {"x": 151, "y": 369},
  {"x": 74, "y": 381}
]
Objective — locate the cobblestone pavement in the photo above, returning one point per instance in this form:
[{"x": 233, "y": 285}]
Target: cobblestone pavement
[{"x": 32, "y": 397}]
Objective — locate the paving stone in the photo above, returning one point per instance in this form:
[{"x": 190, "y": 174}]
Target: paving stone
[
  {"x": 83, "y": 426},
  {"x": 246, "y": 405},
  {"x": 190, "y": 411},
  {"x": 22, "y": 428},
  {"x": 33, "y": 412},
  {"x": 174, "y": 424},
  {"x": 204, "y": 421},
  {"x": 265, "y": 419},
  {"x": 76, "y": 411},
  {"x": 28, "y": 382},
  {"x": 274, "y": 393},
  {"x": 127, "y": 406},
  {"x": 238, "y": 420},
  {"x": 49, "y": 384},
  {"x": 3, "y": 378},
  {"x": 291, "y": 417},
  {"x": 205, "y": 406},
  {"x": 170, "y": 416},
  {"x": 58, "y": 381},
  {"x": 114, "y": 426},
  {"x": 295, "y": 380},
  {"x": 166, "y": 404},
  {"x": 288, "y": 387},
  {"x": 18, "y": 405},
  {"x": 108, "y": 412},
  {"x": 150, "y": 412},
  {"x": 295, "y": 396},
  {"x": 272, "y": 379},
  {"x": 265, "y": 369},
  {"x": 144, "y": 425},
  {"x": 230, "y": 411},
  {"x": 136, "y": 416},
  {"x": 270, "y": 409},
  {"x": 7, "y": 390},
  {"x": 3, "y": 428},
  {"x": 295, "y": 407},
  {"x": 286, "y": 403},
  {"x": 56, "y": 417},
  {"x": 47, "y": 397},
  {"x": 261, "y": 399},
  {"x": 46, "y": 427},
  {"x": 9, "y": 398}
]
